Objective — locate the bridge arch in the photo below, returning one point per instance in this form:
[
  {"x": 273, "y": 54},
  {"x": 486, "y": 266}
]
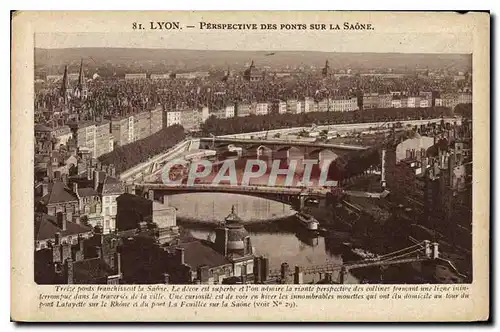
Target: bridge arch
[
  {"x": 289, "y": 153},
  {"x": 323, "y": 155},
  {"x": 258, "y": 151}
]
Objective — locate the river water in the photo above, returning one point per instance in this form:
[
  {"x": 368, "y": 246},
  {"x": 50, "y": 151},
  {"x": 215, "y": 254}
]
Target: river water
[{"x": 274, "y": 232}]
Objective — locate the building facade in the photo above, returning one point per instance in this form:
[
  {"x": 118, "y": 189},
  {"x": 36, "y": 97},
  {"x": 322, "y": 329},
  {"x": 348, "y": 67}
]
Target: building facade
[{"x": 172, "y": 118}]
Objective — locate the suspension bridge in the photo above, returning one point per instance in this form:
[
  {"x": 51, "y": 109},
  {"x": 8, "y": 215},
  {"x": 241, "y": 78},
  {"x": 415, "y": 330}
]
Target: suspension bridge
[{"x": 422, "y": 251}]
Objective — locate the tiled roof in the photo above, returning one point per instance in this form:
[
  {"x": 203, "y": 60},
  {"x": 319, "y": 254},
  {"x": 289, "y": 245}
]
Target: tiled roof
[
  {"x": 85, "y": 192},
  {"x": 89, "y": 271},
  {"x": 111, "y": 186},
  {"x": 197, "y": 254},
  {"x": 42, "y": 128},
  {"x": 46, "y": 227},
  {"x": 59, "y": 194}
]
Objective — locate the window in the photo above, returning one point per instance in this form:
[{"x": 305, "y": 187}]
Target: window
[
  {"x": 106, "y": 211},
  {"x": 106, "y": 199}
]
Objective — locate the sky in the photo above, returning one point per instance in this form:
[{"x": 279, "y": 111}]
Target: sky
[{"x": 326, "y": 41}]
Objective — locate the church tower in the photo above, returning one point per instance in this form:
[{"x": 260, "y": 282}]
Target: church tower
[
  {"x": 326, "y": 70},
  {"x": 65, "y": 91},
  {"x": 81, "y": 88}
]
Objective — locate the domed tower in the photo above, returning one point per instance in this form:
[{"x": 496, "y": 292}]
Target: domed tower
[{"x": 232, "y": 239}]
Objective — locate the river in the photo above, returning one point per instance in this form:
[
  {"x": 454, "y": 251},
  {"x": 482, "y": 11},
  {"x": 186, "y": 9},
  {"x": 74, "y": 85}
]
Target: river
[{"x": 274, "y": 231}]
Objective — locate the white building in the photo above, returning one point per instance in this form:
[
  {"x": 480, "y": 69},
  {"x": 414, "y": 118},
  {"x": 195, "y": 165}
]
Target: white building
[
  {"x": 424, "y": 103},
  {"x": 299, "y": 107},
  {"x": 111, "y": 189},
  {"x": 396, "y": 103},
  {"x": 173, "y": 117},
  {"x": 160, "y": 76},
  {"x": 205, "y": 113},
  {"x": 439, "y": 102},
  {"x": 465, "y": 98},
  {"x": 293, "y": 106},
  {"x": 413, "y": 102},
  {"x": 344, "y": 104},
  {"x": 229, "y": 111},
  {"x": 261, "y": 109},
  {"x": 141, "y": 76},
  {"x": 308, "y": 105},
  {"x": 281, "y": 107}
]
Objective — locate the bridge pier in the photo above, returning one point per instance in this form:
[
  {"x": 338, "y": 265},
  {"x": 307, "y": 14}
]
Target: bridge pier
[
  {"x": 435, "y": 250},
  {"x": 427, "y": 248},
  {"x": 343, "y": 275},
  {"x": 285, "y": 272},
  {"x": 260, "y": 269},
  {"x": 298, "y": 276}
]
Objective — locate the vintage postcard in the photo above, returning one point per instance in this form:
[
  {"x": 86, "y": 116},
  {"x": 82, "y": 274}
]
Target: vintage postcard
[{"x": 250, "y": 166}]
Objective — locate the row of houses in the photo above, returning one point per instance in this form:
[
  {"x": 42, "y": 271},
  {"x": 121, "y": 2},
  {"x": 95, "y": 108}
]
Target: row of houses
[
  {"x": 166, "y": 76},
  {"x": 102, "y": 136},
  {"x": 423, "y": 99},
  {"x": 191, "y": 119},
  {"x": 130, "y": 128}
]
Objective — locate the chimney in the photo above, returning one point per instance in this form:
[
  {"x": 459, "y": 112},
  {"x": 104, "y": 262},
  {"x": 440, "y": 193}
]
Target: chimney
[
  {"x": 96, "y": 179},
  {"x": 98, "y": 251},
  {"x": 60, "y": 219},
  {"x": 118, "y": 263},
  {"x": 57, "y": 238},
  {"x": 75, "y": 187},
  {"x": 69, "y": 270},
  {"x": 57, "y": 175},
  {"x": 257, "y": 269},
  {"x": 81, "y": 242},
  {"x": 180, "y": 253},
  {"x": 69, "y": 217},
  {"x": 284, "y": 273},
  {"x": 45, "y": 189},
  {"x": 202, "y": 274}
]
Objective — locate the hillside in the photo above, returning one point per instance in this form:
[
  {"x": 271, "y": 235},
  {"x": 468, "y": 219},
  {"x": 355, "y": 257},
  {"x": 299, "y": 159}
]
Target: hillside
[{"x": 149, "y": 59}]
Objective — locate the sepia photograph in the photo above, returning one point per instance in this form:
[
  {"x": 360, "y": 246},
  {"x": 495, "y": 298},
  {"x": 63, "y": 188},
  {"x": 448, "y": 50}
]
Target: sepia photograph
[
  {"x": 187, "y": 166},
  {"x": 219, "y": 162}
]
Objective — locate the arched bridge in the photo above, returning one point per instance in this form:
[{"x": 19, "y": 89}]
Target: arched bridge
[{"x": 295, "y": 196}]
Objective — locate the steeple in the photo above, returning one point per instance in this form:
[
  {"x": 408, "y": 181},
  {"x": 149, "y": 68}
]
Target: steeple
[
  {"x": 326, "y": 69},
  {"x": 81, "y": 78},
  {"x": 81, "y": 88},
  {"x": 65, "y": 88}
]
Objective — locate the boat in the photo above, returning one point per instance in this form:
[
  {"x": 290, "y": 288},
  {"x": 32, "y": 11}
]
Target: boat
[
  {"x": 364, "y": 254},
  {"x": 352, "y": 253},
  {"x": 308, "y": 221}
]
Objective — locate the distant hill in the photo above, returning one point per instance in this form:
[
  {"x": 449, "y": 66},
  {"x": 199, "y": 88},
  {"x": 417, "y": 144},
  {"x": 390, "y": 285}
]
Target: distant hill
[{"x": 148, "y": 59}]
